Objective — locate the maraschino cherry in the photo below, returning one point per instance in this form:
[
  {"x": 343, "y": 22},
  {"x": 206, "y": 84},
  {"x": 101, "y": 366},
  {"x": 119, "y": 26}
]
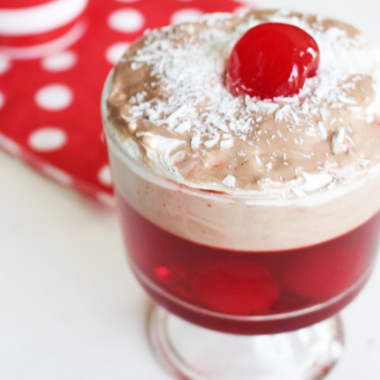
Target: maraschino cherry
[{"x": 272, "y": 60}]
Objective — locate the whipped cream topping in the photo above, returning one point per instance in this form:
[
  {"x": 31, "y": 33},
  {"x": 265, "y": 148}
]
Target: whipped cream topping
[{"x": 171, "y": 109}]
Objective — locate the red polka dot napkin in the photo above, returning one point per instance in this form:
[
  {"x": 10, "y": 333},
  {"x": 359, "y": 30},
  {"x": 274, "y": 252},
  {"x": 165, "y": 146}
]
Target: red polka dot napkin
[{"x": 49, "y": 106}]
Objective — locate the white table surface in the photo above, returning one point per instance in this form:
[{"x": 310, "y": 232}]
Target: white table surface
[{"x": 70, "y": 308}]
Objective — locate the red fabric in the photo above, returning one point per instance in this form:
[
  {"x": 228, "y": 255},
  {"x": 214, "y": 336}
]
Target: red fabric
[{"x": 63, "y": 137}]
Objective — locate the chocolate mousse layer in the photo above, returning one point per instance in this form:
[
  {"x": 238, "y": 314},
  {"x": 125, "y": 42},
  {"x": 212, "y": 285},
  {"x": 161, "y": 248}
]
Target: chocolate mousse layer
[
  {"x": 171, "y": 109},
  {"x": 279, "y": 173}
]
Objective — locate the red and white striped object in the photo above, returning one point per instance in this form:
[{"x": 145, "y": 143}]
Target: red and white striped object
[{"x": 32, "y": 28}]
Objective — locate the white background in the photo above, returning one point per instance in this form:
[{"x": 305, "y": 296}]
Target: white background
[{"x": 69, "y": 306}]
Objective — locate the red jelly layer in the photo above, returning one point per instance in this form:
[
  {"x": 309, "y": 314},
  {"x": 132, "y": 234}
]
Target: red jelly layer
[{"x": 249, "y": 292}]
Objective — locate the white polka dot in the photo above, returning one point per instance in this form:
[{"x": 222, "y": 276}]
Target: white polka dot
[
  {"x": 59, "y": 62},
  {"x": 126, "y": 20},
  {"x": 2, "y": 100},
  {"x": 47, "y": 139},
  {"x": 185, "y": 15},
  {"x": 54, "y": 97},
  {"x": 116, "y": 51},
  {"x": 57, "y": 175},
  {"x": 104, "y": 175},
  {"x": 5, "y": 64}
]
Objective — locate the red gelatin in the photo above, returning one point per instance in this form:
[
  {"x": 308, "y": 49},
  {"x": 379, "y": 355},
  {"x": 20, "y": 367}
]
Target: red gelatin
[
  {"x": 327, "y": 273},
  {"x": 235, "y": 287},
  {"x": 226, "y": 290},
  {"x": 272, "y": 60}
]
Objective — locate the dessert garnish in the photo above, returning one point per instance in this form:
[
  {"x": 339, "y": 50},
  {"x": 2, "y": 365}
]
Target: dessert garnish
[{"x": 272, "y": 60}]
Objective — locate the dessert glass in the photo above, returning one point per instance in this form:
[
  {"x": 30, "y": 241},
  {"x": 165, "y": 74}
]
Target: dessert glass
[{"x": 243, "y": 288}]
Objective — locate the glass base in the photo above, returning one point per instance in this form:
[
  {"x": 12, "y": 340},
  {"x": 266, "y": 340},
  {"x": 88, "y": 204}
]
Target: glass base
[{"x": 190, "y": 352}]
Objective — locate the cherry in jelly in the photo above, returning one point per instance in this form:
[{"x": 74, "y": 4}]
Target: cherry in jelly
[
  {"x": 232, "y": 287},
  {"x": 272, "y": 60}
]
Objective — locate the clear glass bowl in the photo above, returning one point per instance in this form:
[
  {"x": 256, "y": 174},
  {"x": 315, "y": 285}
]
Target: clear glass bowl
[{"x": 247, "y": 288}]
